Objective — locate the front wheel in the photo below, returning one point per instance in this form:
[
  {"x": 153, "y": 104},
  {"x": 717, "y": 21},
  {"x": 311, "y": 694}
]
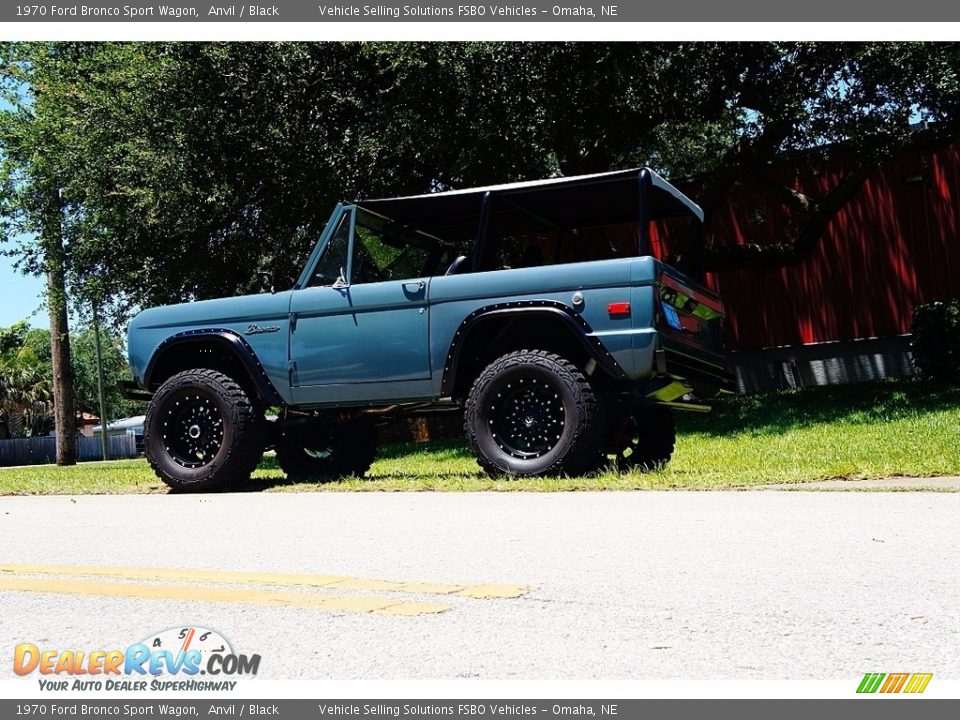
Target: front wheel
[
  {"x": 533, "y": 413},
  {"x": 202, "y": 431},
  {"x": 329, "y": 453}
]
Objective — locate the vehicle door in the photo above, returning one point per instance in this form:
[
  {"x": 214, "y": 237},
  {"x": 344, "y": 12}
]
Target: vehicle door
[{"x": 359, "y": 325}]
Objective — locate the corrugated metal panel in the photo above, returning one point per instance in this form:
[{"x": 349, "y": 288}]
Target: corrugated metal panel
[{"x": 893, "y": 246}]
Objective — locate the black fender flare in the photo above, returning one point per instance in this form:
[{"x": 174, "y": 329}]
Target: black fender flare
[
  {"x": 581, "y": 330},
  {"x": 235, "y": 343}
]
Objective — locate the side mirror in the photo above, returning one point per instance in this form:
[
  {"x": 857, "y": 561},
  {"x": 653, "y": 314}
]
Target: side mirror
[{"x": 341, "y": 282}]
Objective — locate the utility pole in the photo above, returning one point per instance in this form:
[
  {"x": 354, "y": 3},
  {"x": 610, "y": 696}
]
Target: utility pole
[{"x": 104, "y": 440}]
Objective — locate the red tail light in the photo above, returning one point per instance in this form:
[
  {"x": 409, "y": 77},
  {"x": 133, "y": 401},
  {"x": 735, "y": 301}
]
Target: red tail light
[{"x": 618, "y": 308}]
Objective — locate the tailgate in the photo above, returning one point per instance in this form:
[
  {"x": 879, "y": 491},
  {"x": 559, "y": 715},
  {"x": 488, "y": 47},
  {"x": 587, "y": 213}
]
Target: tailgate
[{"x": 689, "y": 322}]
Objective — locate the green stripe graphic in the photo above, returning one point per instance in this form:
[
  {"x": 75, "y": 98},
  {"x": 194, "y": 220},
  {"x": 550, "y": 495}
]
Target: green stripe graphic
[{"x": 870, "y": 682}]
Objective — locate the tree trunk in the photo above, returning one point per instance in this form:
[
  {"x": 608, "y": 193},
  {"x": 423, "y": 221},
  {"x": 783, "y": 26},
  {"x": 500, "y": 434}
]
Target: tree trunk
[{"x": 64, "y": 399}]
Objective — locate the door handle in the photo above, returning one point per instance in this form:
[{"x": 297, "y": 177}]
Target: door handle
[{"x": 417, "y": 285}]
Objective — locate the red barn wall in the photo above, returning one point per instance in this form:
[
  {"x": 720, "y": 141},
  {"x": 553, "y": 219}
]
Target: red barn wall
[{"x": 893, "y": 246}]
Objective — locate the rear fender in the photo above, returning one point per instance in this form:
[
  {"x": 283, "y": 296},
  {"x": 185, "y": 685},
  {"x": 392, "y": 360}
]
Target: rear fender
[{"x": 578, "y": 329}]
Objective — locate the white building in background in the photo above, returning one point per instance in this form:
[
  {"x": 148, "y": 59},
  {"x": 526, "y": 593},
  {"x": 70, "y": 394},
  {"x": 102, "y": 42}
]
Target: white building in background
[{"x": 126, "y": 426}]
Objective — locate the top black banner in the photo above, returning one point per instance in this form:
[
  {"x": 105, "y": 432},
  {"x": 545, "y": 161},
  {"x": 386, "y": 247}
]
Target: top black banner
[{"x": 320, "y": 11}]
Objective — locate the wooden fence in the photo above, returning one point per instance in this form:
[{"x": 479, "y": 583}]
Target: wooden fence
[{"x": 43, "y": 450}]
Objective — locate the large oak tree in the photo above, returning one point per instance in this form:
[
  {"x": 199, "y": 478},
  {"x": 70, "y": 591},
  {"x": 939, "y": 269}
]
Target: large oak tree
[{"x": 196, "y": 169}]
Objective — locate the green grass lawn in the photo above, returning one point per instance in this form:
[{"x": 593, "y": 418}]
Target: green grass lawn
[{"x": 872, "y": 430}]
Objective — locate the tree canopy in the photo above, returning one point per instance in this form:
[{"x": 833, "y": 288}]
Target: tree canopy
[{"x": 189, "y": 170}]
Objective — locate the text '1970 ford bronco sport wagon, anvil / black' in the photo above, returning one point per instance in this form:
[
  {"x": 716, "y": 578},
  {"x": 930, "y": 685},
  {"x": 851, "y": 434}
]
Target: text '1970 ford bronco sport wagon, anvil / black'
[{"x": 564, "y": 319}]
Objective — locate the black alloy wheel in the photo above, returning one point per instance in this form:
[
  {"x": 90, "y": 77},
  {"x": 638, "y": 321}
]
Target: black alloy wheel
[
  {"x": 527, "y": 418},
  {"x": 192, "y": 429},
  {"x": 202, "y": 431},
  {"x": 329, "y": 453},
  {"x": 532, "y": 412},
  {"x": 641, "y": 438}
]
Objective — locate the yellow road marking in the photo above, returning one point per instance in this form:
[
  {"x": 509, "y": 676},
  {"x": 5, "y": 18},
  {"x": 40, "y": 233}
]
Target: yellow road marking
[
  {"x": 271, "y": 598},
  {"x": 479, "y": 592}
]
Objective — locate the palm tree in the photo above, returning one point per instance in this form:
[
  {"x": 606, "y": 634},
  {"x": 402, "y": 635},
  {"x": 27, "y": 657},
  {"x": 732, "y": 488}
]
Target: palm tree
[{"x": 26, "y": 396}]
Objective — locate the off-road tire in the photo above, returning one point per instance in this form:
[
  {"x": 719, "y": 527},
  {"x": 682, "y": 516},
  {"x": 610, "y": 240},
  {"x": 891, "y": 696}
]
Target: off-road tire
[
  {"x": 536, "y": 389},
  {"x": 346, "y": 449},
  {"x": 228, "y": 428},
  {"x": 640, "y": 439}
]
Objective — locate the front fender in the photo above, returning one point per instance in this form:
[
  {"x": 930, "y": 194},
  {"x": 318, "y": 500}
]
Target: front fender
[{"x": 230, "y": 341}]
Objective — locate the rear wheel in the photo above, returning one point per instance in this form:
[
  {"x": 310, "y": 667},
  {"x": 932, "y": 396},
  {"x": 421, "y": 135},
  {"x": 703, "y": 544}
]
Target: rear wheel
[
  {"x": 202, "y": 431},
  {"x": 533, "y": 413},
  {"x": 330, "y": 453},
  {"x": 641, "y": 439}
]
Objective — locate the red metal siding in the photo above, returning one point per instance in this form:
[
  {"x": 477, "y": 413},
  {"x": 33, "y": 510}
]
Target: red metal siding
[{"x": 893, "y": 246}]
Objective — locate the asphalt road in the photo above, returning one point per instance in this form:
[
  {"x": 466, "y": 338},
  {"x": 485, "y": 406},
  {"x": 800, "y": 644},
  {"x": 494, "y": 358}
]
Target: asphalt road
[{"x": 604, "y": 585}]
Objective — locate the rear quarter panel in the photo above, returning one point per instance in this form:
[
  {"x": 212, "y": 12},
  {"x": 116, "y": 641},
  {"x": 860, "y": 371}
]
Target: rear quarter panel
[{"x": 630, "y": 339}]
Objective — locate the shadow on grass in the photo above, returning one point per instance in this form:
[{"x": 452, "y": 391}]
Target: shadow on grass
[
  {"x": 438, "y": 451},
  {"x": 765, "y": 414},
  {"x": 779, "y": 412},
  {"x": 771, "y": 413}
]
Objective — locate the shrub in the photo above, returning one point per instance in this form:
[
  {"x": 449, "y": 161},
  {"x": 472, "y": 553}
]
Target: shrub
[{"x": 936, "y": 341}]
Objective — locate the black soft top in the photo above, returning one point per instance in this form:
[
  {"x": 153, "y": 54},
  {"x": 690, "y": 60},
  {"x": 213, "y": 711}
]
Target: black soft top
[{"x": 578, "y": 201}]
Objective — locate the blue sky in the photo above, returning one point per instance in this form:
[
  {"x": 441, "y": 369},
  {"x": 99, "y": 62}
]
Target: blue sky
[{"x": 20, "y": 296}]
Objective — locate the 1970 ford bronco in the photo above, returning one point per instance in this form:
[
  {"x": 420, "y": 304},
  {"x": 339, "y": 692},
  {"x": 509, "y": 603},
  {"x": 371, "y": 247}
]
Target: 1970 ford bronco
[{"x": 538, "y": 310}]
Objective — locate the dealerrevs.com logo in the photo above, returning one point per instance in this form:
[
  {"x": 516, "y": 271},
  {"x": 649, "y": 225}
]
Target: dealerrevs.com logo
[{"x": 180, "y": 658}]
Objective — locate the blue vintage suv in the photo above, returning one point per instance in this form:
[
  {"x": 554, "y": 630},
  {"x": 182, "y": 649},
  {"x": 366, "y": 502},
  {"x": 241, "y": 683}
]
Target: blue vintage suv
[{"x": 564, "y": 319}]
